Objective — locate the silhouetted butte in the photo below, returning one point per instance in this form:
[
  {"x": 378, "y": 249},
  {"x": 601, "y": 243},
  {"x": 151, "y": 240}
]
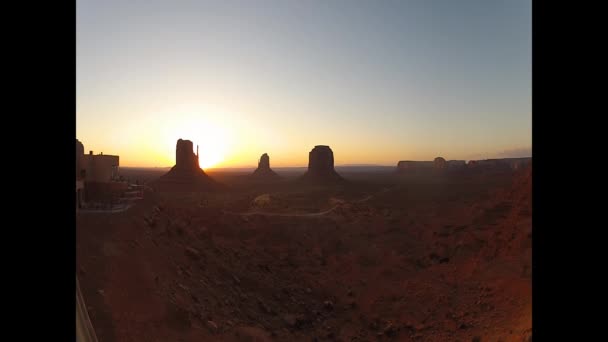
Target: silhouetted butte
[
  {"x": 186, "y": 174},
  {"x": 264, "y": 172},
  {"x": 321, "y": 166}
]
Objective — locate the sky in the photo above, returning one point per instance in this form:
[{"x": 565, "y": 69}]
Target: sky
[{"x": 377, "y": 81}]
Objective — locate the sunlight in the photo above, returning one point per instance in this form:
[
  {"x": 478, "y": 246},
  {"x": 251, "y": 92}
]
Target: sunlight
[
  {"x": 211, "y": 158},
  {"x": 212, "y": 139},
  {"x": 212, "y": 142}
]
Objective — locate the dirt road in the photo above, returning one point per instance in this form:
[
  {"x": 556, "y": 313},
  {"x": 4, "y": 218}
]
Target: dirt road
[{"x": 322, "y": 213}]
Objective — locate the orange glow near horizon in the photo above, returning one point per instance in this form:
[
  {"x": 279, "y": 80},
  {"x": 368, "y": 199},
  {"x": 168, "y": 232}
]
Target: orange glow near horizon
[
  {"x": 213, "y": 139},
  {"x": 212, "y": 144},
  {"x": 227, "y": 138}
]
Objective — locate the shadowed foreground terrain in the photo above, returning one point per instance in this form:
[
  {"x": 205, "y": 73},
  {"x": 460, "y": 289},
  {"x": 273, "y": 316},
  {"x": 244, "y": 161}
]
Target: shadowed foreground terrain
[{"x": 391, "y": 258}]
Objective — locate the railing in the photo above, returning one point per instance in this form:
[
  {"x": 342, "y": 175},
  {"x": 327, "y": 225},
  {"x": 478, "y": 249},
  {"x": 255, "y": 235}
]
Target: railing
[{"x": 84, "y": 328}]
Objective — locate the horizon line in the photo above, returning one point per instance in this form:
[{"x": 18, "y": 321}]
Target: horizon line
[{"x": 305, "y": 166}]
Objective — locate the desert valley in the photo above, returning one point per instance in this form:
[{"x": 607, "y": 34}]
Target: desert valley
[{"x": 439, "y": 253}]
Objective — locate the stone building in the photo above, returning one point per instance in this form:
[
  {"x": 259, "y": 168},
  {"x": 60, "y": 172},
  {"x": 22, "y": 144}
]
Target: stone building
[{"x": 97, "y": 177}]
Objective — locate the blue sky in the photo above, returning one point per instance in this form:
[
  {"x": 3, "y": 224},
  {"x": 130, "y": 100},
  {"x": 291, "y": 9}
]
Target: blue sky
[{"x": 378, "y": 81}]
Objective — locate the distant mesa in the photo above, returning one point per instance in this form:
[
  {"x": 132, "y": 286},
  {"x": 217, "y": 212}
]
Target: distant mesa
[
  {"x": 500, "y": 164},
  {"x": 321, "y": 166},
  {"x": 186, "y": 175},
  {"x": 439, "y": 163},
  {"x": 410, "y": 166},
  {"x": 264, "y": 172}
]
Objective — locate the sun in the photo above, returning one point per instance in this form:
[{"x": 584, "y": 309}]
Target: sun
[
  {"x": 213, "y": 145},
  {"x": 207, "y": 159},
  {"x": 211, "y": 138}
]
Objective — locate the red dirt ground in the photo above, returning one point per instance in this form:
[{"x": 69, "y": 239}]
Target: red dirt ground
[{"x": 443, "y": 260}]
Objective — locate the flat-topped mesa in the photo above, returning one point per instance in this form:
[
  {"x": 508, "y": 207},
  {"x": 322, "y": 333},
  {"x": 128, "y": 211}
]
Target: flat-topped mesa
[
  {"x": 264, "y": 171},
  {"x": 186, "y": 175},
  {"x": 500, "y": 164},
  {"x": 437, "y": 166},
  {"x": 411, "y": 166},
  {"x": 321, "y": 165},
  {"x": 456, "y": 164}
]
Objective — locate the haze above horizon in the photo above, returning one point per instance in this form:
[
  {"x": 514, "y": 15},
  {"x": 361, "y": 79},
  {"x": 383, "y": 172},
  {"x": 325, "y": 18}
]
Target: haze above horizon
[{"x": 377, "y": 82}]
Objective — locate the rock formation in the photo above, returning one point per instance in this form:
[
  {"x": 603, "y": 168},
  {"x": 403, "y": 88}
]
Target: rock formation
[
  {"x": 264, "y": 162},
  {"x": 496, "y": 166},
  {"x": 186, "y": 175},
  {"x": 264, "y": 172},
  {"x": 439, "y": 163},
  {"x": 493, "y": 165},
  {"x": 185, "y": 158},
  {"x": 412, "y": 167},
  {"x": 79, "y": 159},
  {"x": 321, "y": 166}
]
